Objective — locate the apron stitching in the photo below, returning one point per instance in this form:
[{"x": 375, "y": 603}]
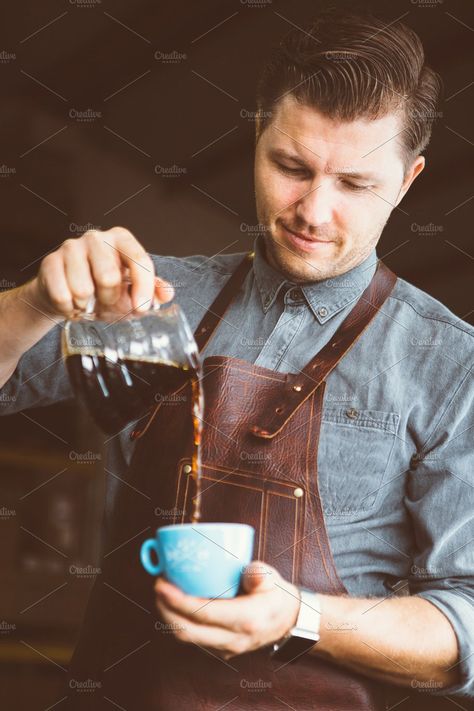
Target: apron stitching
[
  {"x": 289, "y": 484},
  {"x": 185, "y": 498},
  {"x": 319, "y": 509},
  {"x": 295, "y": 538},
  {"x": 263, "y": 532}
]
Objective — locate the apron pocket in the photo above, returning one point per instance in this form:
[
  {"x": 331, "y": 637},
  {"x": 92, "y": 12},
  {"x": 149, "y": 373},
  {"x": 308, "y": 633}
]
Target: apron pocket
[{"x": 266, "y": 504}]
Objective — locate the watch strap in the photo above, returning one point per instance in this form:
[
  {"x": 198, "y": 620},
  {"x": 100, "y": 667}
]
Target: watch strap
[{"x": 304, "y": 634}]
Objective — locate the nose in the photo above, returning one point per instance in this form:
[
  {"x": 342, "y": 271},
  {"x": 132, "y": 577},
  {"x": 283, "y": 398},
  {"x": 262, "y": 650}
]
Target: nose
[{"x": 315, "y": 207}]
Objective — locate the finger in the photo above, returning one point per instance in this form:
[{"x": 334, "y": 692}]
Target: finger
[
  {"x": 77, "y": 272},
  {"x": 140, "y": 264},
  {"x": 54, "y": 286},
  {"x": 258, "y": 576},
  {"x": 164, "y": 291},
  {"x": 104, "y": 264},
  {"x": 233, "y": 613},
  {"x": 212, "y": 636}
]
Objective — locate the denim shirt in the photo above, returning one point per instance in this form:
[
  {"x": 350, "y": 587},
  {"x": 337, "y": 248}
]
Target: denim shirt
[{"x": 395, "y": 461}]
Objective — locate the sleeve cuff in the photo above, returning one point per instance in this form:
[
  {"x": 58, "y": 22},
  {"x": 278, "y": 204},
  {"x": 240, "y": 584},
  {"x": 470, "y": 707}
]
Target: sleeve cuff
[{"x": 460, "y": 613}]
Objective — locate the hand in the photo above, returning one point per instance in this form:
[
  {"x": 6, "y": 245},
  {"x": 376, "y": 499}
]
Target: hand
[
  {"x": 232, "y": 626},
  {"x": 94, "y": 264}
]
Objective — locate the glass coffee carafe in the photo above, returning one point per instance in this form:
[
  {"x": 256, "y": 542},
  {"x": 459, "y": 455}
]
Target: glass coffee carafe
[{"x": 122, "y": 364}]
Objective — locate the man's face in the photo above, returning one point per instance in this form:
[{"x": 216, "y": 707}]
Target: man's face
[{"x": 339, "y": 217}]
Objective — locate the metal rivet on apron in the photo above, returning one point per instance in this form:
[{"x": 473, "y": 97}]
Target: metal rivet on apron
[
  {"x": 298, "y": 493},
  {"x": 278, "y": 410},
  {"x": 352, "y": 413},
  {"x": 297, "y": 388},
  {"x": 187, "y": 469}
]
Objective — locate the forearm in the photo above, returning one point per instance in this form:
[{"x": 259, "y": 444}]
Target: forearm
[
  {"x": 22, "y": 323},
  {"x": 398, "y": 640}
]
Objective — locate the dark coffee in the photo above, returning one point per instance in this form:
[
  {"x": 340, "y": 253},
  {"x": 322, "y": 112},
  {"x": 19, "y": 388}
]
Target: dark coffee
[{"x": 118, "y": 391}]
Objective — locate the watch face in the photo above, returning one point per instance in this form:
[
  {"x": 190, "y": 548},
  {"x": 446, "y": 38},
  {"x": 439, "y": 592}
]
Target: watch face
[{"x": 293, "y": 647}]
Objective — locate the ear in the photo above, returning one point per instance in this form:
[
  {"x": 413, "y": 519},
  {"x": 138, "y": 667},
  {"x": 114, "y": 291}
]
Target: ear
[{"x": 415, "y": 169}]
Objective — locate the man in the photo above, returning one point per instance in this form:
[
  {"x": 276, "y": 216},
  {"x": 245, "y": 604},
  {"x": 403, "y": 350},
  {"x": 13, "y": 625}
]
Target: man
[{"x": 344, "y": 114}]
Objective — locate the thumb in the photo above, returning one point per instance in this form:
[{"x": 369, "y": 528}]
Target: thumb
[{"x": 259, "y": 577}]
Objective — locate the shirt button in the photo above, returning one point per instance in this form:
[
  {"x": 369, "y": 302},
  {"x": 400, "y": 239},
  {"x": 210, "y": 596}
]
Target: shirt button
[
  {"x": 322, "y": 311},
  {"x": 295, "y": 294},
  {"x": 352, "y": 413}
]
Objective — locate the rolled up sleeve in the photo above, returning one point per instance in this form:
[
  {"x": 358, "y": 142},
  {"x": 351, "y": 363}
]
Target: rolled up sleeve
[
  {"x": 39, "y": 379},
  {"x": 440, "y": 500},
  {"x": 458, "y": 607}
]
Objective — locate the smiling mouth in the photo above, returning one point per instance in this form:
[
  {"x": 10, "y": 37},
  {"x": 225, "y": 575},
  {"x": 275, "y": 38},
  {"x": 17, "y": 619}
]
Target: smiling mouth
[
  {"x": 302, "y": 235},
  {"x": 305, "y": 242}
]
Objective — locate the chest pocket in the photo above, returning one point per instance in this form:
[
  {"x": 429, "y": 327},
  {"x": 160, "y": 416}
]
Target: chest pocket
[{"x": 355, "y": 448}]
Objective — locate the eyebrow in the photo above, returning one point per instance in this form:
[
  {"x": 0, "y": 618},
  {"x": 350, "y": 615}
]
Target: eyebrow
[{"x": 278, "y": 153}]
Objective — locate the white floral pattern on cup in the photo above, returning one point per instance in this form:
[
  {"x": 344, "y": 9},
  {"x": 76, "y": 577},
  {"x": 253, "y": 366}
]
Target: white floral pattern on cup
[{"x": 188, "y": 556}]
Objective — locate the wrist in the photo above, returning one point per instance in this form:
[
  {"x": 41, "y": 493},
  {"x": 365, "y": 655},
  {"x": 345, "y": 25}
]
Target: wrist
[
  {"x": 38, "y": 308},
  {"x": 297, "y": 596},
  {"x": 304, "y": 633},
  {"x": 23, "y": 323}
]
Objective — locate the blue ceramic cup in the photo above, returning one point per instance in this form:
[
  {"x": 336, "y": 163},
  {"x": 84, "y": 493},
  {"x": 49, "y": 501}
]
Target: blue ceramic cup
[{"x": 203, "y": 559}]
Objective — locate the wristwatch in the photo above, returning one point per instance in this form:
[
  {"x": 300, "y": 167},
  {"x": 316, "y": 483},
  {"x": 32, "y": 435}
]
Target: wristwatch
[{"x": 305, "y": 634}]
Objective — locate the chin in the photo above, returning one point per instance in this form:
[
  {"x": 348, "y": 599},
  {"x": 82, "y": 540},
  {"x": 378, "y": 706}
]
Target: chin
[{"x": 297, "y": 267}]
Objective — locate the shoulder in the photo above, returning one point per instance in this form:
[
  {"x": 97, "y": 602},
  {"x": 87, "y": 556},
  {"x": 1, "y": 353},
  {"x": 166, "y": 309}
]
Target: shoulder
[
  {"x": 198, "y": 265},
  {"x": 428, "y": 322},
  {"x": 428, "y": 309}
]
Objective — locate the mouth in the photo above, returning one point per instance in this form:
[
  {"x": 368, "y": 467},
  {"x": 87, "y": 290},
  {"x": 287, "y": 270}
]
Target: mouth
[{"x": 305, "y": 242}]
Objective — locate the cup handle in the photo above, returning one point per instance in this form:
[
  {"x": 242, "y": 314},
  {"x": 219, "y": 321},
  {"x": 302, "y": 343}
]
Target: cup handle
[{"x": 148, "y": 546}]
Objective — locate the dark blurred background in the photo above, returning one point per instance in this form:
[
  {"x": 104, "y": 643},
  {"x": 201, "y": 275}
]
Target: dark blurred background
[{"x": 141, "y": 114}]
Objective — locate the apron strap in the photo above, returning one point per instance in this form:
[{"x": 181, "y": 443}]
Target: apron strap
[
  {"x": 219, "y": 306},
  {"x": 298, "y": 387}
]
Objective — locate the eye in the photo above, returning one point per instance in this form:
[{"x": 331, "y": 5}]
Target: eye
[
  {"x": 354, "y": 187},
  {"x": 297, "y": 172}
]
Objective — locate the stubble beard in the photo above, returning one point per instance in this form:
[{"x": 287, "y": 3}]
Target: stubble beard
[{"x": 302, "y": 269}]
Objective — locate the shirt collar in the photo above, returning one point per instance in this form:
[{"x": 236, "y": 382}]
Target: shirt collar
[{"x": 325, "y": 298}]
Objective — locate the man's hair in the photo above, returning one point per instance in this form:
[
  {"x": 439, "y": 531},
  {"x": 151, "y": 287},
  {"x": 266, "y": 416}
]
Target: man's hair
[{"x": 350, "y": 66}]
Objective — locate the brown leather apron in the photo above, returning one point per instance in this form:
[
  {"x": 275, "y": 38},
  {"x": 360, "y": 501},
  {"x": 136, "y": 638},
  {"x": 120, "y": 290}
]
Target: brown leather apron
[{"x": 259, "y": 457}]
